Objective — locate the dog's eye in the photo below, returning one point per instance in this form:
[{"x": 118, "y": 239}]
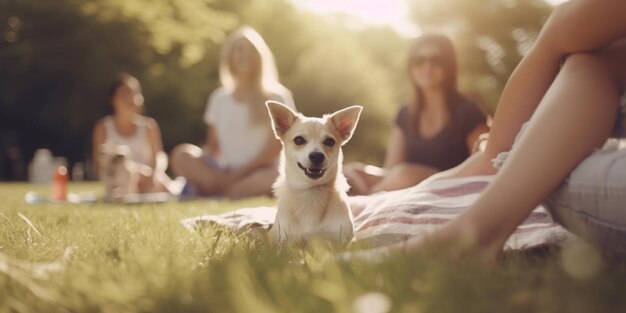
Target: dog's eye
[
  {"x": 299, "y": 140},
  {"x": 329, "y": 142}
]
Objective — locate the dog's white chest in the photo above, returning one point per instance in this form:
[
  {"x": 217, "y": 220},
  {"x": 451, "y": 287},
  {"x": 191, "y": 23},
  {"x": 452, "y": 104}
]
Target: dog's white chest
[{"x": 320, "y": 216}]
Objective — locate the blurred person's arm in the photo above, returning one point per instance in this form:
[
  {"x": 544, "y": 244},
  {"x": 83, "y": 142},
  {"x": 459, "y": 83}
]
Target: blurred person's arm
[
  {"x": 147, "y": 173},
  {"x": 473, "y": 137},
  {"x": 212, "y": 115},
  {"x": 396, "y": 151},
  {"x": 211, "y": 147},
  {"x": 156, "y": 141},
  {"x": 98, "y": 138}
]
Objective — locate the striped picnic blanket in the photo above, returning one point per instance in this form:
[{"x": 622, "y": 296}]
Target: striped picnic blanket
[{"x": 390, "y": 217}]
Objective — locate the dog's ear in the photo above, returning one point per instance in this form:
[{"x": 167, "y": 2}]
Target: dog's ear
[
  {"x": 282, "y": 117},
  {"x": 344, "y": 121}
]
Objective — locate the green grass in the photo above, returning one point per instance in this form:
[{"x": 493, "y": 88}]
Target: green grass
[{"x": 139, "y": 258}]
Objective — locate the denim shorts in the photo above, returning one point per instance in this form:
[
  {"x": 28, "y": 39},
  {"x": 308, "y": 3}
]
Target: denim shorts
[
  {"x": 591, "y": 202},
  {"x": 210, "y": 161}
]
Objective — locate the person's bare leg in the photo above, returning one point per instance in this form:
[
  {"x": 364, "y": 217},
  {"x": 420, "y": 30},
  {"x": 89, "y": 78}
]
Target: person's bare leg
[
  {"x": 576, "y": 116},
  {"x": 187, "y": 162},
  {"x": 567, "y": 31},
  {"x": 257, "y": 183},
  {"x": 402, "y": 176},
  {"x": 162, "y": 182}
]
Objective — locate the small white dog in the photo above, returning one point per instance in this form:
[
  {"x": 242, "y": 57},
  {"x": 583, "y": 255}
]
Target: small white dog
[{"x": 311, "y": 189}]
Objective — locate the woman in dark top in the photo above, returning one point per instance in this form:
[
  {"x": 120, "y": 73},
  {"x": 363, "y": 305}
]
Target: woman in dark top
[{"x": 437, "y": 128}]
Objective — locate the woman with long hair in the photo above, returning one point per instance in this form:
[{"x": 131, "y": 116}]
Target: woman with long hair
[
  {"x": 434, "y": 131},
  {"x": 240, "y": 156}
]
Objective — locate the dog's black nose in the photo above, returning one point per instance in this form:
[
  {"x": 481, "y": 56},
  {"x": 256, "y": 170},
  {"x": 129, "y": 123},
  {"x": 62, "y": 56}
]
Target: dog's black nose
[{"x": 316, "y": 158}]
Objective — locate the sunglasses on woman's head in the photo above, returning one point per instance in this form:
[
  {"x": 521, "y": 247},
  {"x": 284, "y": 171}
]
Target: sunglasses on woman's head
[{"x": 419, "y": 60}]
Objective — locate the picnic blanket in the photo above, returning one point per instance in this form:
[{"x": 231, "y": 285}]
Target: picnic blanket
[{"x": 390, "y": 217}]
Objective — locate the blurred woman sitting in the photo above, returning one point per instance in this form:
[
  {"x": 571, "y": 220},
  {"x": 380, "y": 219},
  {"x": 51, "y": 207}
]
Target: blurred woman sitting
[
  {"x": 436, "y": 130},
  {"x": 139, "y": 134},
  {"x": 240, "y": 156}
]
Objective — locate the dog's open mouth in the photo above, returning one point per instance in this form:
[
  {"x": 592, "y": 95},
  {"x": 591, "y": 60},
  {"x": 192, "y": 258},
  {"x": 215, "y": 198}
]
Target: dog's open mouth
[{"x": 312, "y": 172}]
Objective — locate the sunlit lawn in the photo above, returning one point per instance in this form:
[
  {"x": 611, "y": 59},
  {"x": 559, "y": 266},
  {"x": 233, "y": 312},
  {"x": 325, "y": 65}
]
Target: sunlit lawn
[{"x": 121, "y": 258}]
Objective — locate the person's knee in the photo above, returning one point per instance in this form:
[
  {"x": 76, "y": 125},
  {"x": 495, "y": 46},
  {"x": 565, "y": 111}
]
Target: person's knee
[
  {"x": 175, "y": 157},
  {"x": 555, "y": 36},
  {"x": 180, "y": 155},
  {"x": 561, "y": 15},
  {"x": 549, "y": 39}
]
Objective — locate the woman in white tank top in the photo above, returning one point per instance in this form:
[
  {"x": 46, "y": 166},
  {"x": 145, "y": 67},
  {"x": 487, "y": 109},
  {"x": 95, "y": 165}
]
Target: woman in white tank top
[
  {"x": 139, "y": 133},
  {"x": 138, "y": 143}
]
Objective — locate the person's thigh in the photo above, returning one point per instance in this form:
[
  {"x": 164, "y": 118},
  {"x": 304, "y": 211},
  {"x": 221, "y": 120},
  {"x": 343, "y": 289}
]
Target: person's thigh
[
  {"x": 592, "y": 201},
  {"x": 180, "y": 157},
  {"x": 257, "y": 183}
]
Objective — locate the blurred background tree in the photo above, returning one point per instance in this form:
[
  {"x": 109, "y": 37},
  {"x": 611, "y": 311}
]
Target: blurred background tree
[{"x": 57, "y": 59}]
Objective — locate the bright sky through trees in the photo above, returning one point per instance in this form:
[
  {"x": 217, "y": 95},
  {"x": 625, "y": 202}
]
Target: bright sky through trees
[{"x": 394, "y": 13}]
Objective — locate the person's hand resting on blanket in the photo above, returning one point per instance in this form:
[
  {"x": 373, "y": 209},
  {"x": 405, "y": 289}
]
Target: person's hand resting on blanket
[{"x": 570, "y": 83}]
